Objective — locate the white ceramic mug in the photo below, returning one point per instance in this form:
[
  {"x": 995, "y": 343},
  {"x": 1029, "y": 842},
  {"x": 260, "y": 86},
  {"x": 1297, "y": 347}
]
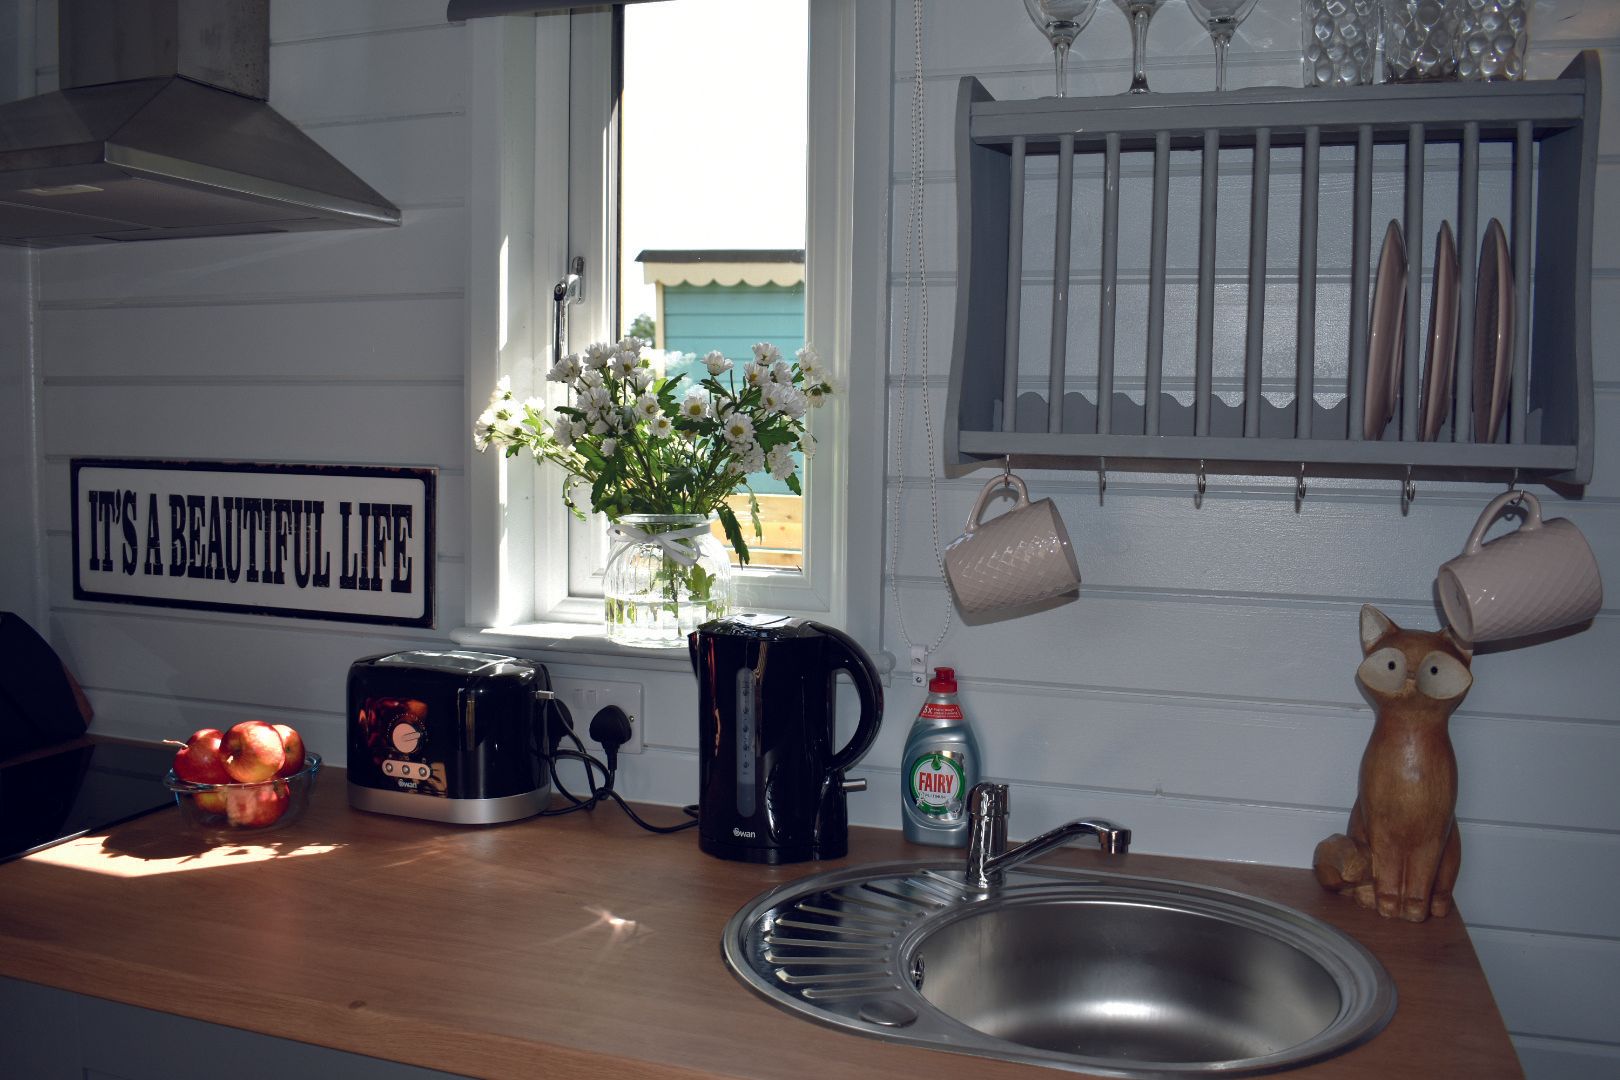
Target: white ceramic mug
[
  {"x": 1540, "y": 577},
  {"x": 1017, "y": 558}
]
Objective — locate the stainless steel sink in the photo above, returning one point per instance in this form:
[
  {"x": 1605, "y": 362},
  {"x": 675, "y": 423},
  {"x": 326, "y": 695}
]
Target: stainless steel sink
[{"x": 1083, "y": 970}]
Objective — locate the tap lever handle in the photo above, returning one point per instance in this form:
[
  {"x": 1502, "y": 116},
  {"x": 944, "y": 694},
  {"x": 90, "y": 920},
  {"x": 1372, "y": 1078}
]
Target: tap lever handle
[
  {"x": 987, "y": 832},
  {"x": 988, "y": 800}
]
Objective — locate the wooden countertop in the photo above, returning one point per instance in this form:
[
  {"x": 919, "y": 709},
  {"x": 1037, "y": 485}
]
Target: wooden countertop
[{"x": 576, "y": 945}]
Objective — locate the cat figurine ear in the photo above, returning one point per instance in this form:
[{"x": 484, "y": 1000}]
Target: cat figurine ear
[
  {"x": 1463, "y": 647},
  {"x": 1374, "y": 625}
]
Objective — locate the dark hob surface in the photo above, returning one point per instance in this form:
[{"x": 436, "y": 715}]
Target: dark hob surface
[{"x": 77, "y": 791}]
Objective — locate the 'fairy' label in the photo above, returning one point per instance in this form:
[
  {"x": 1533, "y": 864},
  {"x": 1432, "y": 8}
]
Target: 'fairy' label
[{"x": 935, "y": 781}]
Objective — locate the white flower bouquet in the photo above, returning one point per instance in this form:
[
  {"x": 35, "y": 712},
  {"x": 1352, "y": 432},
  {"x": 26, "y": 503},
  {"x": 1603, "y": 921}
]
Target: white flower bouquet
[{"x": 647, "y": 443}]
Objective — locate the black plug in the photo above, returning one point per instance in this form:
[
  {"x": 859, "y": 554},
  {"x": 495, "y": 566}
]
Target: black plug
[{"x": 611, "y": 727}]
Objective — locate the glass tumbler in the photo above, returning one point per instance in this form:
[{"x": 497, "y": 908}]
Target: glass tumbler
[
  {"x": 1492, "y": 39},
  {"x": 1420, "y": 39},
  {"x": 1341, "y": 42}
]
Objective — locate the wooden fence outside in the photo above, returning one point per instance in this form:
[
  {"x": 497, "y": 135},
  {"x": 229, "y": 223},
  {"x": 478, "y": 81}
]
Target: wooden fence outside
[{"x": 782, "y": 520}]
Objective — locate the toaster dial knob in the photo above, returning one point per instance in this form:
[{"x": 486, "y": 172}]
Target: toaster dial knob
[{"x": 406, "y": 736}]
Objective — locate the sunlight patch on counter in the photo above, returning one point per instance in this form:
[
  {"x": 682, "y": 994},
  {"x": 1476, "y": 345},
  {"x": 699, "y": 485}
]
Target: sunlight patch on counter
[{"x": 91, "y": 853}]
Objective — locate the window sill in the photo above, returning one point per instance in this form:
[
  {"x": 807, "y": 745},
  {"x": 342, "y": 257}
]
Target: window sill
[
  {"x": 568, "y": 643},
  {"x": 584, "y": 643}
]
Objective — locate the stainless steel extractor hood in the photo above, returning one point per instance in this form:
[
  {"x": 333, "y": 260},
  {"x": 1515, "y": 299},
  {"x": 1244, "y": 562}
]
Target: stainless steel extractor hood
[{"x": 161, "y": 130}]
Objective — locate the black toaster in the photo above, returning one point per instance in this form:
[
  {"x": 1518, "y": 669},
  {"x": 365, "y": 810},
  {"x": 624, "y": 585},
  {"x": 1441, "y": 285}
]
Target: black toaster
[{"x": 457, "y": 736}]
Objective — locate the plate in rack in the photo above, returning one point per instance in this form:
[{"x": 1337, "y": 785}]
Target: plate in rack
[
  {"x": 1386, "y": 334},
  {"x": 1493, "y": 334},
  {"x": 1442, "y": 361}
]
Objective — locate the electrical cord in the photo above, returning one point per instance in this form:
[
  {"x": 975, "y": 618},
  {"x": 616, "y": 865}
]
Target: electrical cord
[{"x": 562, "y": 727}]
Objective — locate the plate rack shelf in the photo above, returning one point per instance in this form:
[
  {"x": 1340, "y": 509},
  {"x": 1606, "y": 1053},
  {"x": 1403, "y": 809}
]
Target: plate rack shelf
[{"x": 1544, "y": 131}]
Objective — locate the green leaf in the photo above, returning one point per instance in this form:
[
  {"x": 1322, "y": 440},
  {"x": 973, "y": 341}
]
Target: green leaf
[
  {"x": 728, "y": 522},
  {"x": 699, "y": 582},
  {"x": 793, "y": 483}
]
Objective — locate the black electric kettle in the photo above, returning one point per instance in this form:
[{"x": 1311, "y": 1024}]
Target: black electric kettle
[{"x": 771, "y": 785}]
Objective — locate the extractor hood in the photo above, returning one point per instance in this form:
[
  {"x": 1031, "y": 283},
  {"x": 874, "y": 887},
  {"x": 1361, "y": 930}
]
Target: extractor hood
[{"x": 161, "y": 130}]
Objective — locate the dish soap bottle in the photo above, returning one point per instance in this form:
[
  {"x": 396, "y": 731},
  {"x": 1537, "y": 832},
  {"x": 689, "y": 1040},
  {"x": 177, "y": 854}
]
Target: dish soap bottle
[{"x": 938, "y": 769}]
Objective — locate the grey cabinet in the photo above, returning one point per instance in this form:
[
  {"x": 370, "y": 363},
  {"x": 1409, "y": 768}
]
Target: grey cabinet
[{"x": 50, "y": 1034}]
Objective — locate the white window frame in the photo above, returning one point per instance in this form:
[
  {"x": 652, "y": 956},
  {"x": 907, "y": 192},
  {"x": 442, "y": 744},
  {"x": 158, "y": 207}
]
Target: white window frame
[{"x": 516, "y": 599}]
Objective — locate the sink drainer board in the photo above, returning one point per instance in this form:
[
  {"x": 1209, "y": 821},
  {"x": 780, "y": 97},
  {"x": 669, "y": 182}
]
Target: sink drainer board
[
  {"x": 1542, "y": 136},
  {"x": 1083, "y": 970}
]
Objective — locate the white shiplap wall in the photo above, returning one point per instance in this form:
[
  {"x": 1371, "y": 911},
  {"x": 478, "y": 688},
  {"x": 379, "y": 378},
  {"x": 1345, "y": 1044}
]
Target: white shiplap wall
[
  {"x": 21, "y": 553},
  {"x": 1201, "y": 687},
  {"x": 342, "y": 347},
  {"x": 1200, "y": 690}
]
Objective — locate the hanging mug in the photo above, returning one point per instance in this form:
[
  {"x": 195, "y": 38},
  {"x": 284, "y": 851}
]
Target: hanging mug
[
  {"x": 1017, "y": 558},
  {"x": 1540, "y": 577}
]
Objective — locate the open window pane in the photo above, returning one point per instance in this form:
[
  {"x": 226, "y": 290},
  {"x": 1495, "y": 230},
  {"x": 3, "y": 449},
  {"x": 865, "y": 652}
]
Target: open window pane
[{"x": 712, "y": 199}]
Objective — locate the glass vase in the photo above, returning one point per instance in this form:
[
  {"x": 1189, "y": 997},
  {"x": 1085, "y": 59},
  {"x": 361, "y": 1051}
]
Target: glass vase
[{"x": 666, "y": 576}]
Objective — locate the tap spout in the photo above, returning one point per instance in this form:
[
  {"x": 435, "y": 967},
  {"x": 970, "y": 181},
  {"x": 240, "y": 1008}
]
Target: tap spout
[{"x": 989, "y": 858}]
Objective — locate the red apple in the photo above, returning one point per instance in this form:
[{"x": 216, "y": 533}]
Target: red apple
[
  {"x": 200, "y": 762},
  {"x": 252, "y": 752},
  {"x": 256, "y": 806},
  {"x": 292, "y": 744},
  {"x": 209, "y": 802}
]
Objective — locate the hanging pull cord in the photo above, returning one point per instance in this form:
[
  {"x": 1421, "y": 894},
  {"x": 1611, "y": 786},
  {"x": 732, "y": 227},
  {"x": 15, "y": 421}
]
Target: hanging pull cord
[{"x": 914, "y": 242}]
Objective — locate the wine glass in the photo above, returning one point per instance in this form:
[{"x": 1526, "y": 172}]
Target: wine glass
[
  {"x": 1061, "y": 21},
  {"x": 1140, "y": 13},
  {"x": 1221, "y": 17}
]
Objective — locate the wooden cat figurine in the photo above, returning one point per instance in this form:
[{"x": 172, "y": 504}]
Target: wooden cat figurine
[{"x": 1402, "y": 850}]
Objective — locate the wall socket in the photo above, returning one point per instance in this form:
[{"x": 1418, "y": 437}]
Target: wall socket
[{"x": 586, "y": 697}]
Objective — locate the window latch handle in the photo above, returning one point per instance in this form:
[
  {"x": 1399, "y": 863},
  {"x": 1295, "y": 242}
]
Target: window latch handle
[{"x": 570, "y": 290}]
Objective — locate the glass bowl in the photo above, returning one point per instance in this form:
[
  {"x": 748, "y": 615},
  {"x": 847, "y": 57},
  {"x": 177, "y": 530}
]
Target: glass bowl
[{"x": 245, "y": 808}]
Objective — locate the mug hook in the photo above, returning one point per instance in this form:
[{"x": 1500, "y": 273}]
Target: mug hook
[
  {"x": 1408, "y": 492},
  {"x": 1006, "y": 466},
  {"x": 1203, "y": 485},
  {"x": 1513, "y": 484},
  {"x": 1299, "y": 488},
  {"x": 1102, "y": 478}
]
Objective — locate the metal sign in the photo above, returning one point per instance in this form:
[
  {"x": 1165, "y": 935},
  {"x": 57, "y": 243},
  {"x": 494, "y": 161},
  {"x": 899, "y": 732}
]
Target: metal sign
[{"x": 341, "y": 542}]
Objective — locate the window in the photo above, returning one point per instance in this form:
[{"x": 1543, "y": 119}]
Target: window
[
  {"x": 526, "y": 565},
  {"x": 706, "y": 196}
]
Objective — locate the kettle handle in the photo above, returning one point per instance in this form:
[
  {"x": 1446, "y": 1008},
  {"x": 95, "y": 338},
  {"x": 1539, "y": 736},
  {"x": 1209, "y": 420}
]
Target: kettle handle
[{"x": 853, "y": 659}]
